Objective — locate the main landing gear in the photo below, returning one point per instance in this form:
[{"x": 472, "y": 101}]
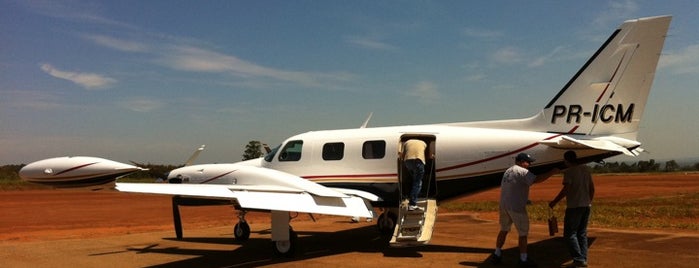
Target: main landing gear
[
  {"x": 284, "y": 239},
  {"x": 387, "y": 221},
  {"x": 284, "y": 244},
  {"x": 286, "y": 248},
  {"x": 241, "y": 230}
]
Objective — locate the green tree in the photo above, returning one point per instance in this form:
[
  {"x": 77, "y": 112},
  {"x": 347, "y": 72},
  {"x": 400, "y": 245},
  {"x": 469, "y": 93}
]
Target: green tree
[
  {"x": 671, "y": 166},
  {"x": 252, "y": 150},
  {"x": 648, "y": 166},
  {"x": 9, "y": 172}
]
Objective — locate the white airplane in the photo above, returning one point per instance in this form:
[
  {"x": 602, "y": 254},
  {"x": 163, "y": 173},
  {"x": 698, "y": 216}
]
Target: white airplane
[{"x": 348, "y": 172}]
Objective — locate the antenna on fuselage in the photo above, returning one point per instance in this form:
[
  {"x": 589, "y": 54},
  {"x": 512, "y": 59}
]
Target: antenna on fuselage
[{"x": 366, "y": 122}]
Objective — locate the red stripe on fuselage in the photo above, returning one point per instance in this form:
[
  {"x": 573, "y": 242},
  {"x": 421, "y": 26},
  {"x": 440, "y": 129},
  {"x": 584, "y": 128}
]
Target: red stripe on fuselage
[
  {"x": 501, "y": 155},
  {"x": 350, "y": 176},
  {"x": 214, "y": 178},
  {"x": 74, "y": 168},
  {"x": 572, "y": 130}
]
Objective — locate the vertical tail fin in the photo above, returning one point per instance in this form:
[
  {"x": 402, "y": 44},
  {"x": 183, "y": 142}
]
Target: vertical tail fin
[{"x": 608, "y": 95}]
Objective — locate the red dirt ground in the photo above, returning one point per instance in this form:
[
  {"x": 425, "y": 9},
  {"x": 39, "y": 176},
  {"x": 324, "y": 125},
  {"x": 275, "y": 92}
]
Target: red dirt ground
[
  {"x": 56, "y": 214},
  {"x": 51, "y": 215}
]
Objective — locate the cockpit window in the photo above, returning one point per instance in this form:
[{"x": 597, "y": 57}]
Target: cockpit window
[
  {"x": 271, "y": 154},
  {"x": 291, "y": 151}
]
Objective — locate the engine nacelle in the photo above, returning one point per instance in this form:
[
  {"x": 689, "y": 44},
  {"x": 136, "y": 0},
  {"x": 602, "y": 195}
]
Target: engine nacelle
[{"x": 75, "y": 171}]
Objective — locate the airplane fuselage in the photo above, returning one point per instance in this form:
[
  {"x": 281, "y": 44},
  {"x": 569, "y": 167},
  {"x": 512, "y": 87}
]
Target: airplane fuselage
[{"x": 466, "y": 159}]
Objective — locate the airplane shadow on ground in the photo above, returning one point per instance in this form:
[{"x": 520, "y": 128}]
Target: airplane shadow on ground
[
  {"x": 552, "y": 252},
  {"x": 258, "y": 251}
]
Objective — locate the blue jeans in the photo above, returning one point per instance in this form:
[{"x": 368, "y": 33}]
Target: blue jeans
[
  {"x": 575, "y": 232},
  {"x": 417, "y": 170}
]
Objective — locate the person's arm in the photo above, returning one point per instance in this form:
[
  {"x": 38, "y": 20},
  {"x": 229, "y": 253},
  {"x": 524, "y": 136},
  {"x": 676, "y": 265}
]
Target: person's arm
[
  {"x": 560, "y": 196},
  {"x": 592, "y": 190},
  {"x": 404, "y": 150}
]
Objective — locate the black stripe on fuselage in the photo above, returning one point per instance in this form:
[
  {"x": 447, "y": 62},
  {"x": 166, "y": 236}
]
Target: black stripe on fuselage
[{"x": 83, "y": 182}]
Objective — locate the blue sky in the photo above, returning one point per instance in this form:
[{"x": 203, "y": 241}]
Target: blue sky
[{"x": 150, "y": 81}]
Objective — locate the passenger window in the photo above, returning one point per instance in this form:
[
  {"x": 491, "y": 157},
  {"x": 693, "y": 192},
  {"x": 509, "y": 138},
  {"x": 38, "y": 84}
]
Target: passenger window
[
  {"x": 333, "y": 151},
  {"x": 374, "y": 149},
  {"x": 291, "y": 151}
]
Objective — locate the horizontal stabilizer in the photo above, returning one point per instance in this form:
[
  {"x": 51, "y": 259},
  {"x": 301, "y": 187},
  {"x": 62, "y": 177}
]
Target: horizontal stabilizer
[{"x": 613, "y": 145}]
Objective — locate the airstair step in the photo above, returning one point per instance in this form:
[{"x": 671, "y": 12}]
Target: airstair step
[
  {"x": 414, "y": 228},
  {"x": 411, "y": 226}
]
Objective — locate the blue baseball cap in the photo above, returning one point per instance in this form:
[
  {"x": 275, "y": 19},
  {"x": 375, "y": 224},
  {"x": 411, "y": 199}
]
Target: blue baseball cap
[{"x": 524, "y": 157}]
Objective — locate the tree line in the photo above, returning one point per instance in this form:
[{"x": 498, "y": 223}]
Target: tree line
[{"x": 643, "y": 167}]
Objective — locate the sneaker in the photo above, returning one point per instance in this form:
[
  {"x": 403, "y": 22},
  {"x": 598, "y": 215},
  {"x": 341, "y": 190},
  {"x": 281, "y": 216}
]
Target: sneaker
[
  {"x": 579, "y": 264},
  {"x": 529, "y": 263},
  {"x": 495, "y": 259},
  {"x": 413, "y": 208}
]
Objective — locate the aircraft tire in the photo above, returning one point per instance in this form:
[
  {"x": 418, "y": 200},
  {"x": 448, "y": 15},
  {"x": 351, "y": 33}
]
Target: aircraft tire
[
  {"x": 241, "y": 231},
  {"x": 286, "y": 248}
]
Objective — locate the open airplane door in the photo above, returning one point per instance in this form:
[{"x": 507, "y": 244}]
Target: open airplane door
[{"x": 414, "y": 227}]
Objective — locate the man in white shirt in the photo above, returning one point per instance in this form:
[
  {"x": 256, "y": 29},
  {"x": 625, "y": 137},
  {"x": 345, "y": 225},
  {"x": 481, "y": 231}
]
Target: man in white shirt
[{"x": 514, "y": 194}]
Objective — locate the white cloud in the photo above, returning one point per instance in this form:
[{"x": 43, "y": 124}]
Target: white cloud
[
  {"x": 32, "y": 99},
  {"x": 480, "y": 33},
  {"x": 551, "y": 56},
  {"x": 507, "y": 55},
  {"x": 86, "y": 80},
  {"x": 189, "y": 58},
  {"x": 72, "y": 10},
  {"x": 369, "y": 43},
  {"x": 618, "y": 10},
  {"x": 176, "y": 53},
  {"x": 685, "y": 61},
  {"x": 425, "y": 92},
  {"x": 118, "y": 44},
  {"x": 475, "y": 77},
  {"x": 142, "y": 105}
]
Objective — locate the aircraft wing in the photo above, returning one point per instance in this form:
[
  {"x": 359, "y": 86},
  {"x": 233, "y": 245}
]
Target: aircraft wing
[
  {"x": 604, "y": 144},
  {"x": 261, "y": 197}
]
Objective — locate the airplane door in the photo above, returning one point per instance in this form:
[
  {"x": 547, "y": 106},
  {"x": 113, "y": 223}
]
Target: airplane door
[
  {"x": 415, "y": 224},
  {"x": 429, "y": 185}
]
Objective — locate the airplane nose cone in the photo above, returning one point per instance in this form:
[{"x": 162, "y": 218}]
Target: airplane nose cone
[
  {"x": 23, "y": 173},
  {"x": 32, "y": 171}
]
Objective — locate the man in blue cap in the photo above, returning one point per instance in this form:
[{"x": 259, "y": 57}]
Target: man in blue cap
[{"x": 514, "y": 195}]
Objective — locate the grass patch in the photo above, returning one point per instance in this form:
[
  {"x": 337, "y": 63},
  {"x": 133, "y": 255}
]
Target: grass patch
[
  {"x": 662, "y": 212},
  {"x": 17, "y": 184},
  {"x": 483, "y": 206}
]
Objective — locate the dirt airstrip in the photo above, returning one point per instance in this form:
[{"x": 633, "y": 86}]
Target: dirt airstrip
[{"x": 57, "y": 228}]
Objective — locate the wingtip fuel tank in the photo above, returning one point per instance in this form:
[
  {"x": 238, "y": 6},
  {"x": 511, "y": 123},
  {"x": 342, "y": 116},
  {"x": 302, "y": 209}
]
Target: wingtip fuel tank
[{"x": 75, "y": 171}]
